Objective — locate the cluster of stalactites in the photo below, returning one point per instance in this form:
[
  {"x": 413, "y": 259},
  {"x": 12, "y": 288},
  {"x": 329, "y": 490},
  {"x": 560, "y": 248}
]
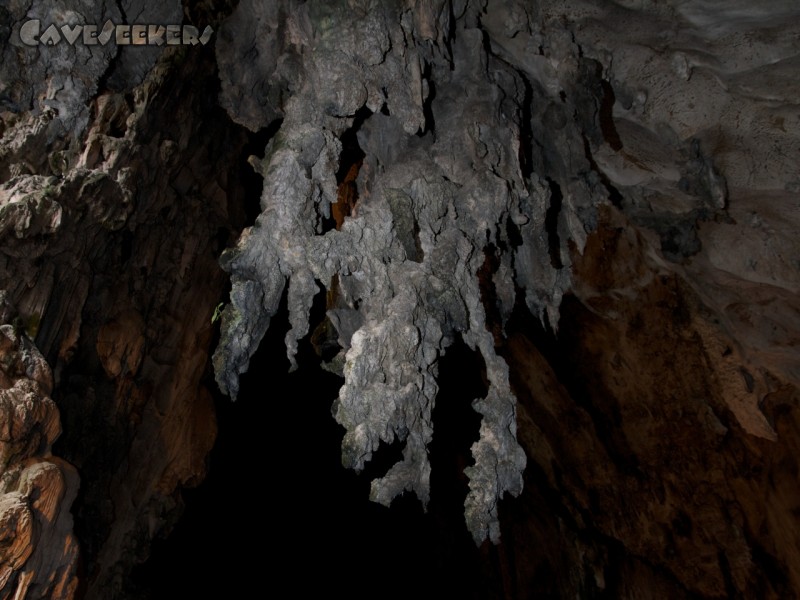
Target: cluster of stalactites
[{"x": 442, "y": 127}]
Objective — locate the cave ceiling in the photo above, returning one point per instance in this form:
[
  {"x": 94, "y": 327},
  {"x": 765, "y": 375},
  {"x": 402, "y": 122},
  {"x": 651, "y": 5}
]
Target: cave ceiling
[{"x": 595, "y": 205}]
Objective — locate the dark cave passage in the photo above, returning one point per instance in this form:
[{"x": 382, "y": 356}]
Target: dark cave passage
[{"x": 314, "y": 525}]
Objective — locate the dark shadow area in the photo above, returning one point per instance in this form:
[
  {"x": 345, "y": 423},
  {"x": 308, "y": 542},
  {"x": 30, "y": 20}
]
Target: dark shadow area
[
  {"x": 351, "y": 154},
  {"x": 350, "y": 160},
  {"x": 606, "y": 116},
  {"x": 100, "y": 414},
  {"x": 551, "y": 224},
  {"x": 427, "y": 105},
  {"x": 565, "y": 355},
  {"x": 489, "y": 300},
  {"x": 462, "y": 379},
  {"x": 276, "y": 483},
  {"x": 526, "y": 130}
]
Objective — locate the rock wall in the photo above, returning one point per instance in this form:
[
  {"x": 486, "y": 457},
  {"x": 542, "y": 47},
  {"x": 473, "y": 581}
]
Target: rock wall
[
  {"x": 114, "y": 211},
  {"x": 39, "y": 551},
  {"x": 600, "y": 199}
]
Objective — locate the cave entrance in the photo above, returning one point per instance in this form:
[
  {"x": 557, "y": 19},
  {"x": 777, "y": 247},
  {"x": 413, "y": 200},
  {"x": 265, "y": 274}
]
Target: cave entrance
[{"x": 314, "y": 526}]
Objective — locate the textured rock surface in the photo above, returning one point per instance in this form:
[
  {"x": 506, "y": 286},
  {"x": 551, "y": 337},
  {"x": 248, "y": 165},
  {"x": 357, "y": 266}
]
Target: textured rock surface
[
  {"x": 39, "y": 555},
  {"x": 517, "y": 151},
  {"x": 406, "y": 259},
  {"x": 112, "y": 221},
  {"x": 600, "y": 200}
]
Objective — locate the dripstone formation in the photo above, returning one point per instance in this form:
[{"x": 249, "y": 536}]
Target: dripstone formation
[{"x": 599, "y": 200}]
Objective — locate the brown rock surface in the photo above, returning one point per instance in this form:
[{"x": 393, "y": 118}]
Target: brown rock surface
[
  {"x": 109, "y": 260},
  {"x": 599, "y": 202},
  {"x": 38, "y": 553},
  {"x": 644, "y": 418}
]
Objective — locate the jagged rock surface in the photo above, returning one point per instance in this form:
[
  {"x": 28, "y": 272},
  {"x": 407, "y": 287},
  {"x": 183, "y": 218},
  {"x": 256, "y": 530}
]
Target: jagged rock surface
[
  {"x": 111, "y": 224},
  {"x": 500, "y": 141},
  {"x": 39, "y": 553},
  {"x": 406, "y": 259},
  {"x": 600, "y": 199}
]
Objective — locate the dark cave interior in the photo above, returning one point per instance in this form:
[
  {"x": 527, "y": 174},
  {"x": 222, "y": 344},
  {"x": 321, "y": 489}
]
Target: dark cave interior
[
  {"x": 594, "y": 204},
  {"x": 318, "y": 518}
]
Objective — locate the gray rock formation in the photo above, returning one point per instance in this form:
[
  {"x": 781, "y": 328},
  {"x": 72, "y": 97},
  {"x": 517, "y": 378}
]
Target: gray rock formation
[
  {"x": 599, "y": 199},
  {"x": 407, "y": 258},
  {"x": 505, "y": 134}
]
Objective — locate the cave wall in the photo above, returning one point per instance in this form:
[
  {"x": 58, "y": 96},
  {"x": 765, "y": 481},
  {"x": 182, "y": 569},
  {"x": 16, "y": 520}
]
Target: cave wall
[
  {"x": 598, "y": 200},
  {"x": 112, "y": 223}
]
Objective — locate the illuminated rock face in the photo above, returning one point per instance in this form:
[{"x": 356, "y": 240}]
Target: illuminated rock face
[
  {"x": 406, "y": 260},
  {"x": 600, "y": 200},
  {"x": 39, "y": 552}
]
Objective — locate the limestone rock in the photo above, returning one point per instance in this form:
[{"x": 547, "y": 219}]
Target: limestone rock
[
  {"x": 407, "y": 259},
  {"x": 539, "y": 129},
  {"x": 599, "y": 199},
  {"x": 40, "y": 552},
  {"x": 110, "y": 231}
]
